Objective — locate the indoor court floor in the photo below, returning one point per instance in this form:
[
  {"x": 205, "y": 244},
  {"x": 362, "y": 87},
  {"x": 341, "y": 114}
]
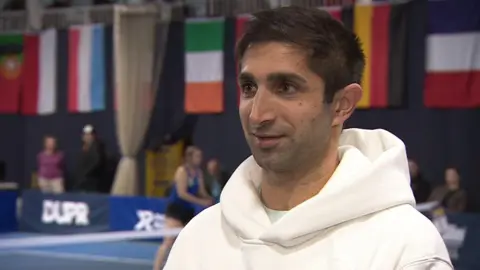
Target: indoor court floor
[{"x": 120, "y": 255}]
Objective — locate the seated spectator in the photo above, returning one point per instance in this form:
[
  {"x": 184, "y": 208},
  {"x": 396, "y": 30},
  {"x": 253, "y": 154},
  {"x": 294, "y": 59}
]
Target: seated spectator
[
  {"x": 420, "y": 187},
  {"x": 450, "y": 195},
  {"x": 50, "y": 167},
  {"x": 215, "y": 179}
]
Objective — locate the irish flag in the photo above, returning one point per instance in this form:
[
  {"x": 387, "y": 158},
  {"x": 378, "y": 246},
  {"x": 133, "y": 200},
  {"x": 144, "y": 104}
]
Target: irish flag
[
  {"x": 86, "y": 68},
  {"x": 39, "y": 93},
  {"x": 204, "y": 41}
]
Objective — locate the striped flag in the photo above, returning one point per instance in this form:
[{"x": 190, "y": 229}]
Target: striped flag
[
  {"x": 11, "y": 59},
  {"x": 453, "y": 54},
  {"x": 382, "y": 30},
  {"x": 86, "y": 68},
  {"x": 239, "y": 29},
  {"x": 343, "y": 14},
  {"x": 334, "y": 11},
  {"x": 204, "y": 42},
  {"x": 40, "y": 81}
]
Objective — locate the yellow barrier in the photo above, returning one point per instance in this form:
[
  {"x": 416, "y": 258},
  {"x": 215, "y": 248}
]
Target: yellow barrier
[{"x": 160, "y": 168}]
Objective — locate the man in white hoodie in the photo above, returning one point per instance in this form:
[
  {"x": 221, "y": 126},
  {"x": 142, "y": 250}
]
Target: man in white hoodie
[{"x": 312, "y": 197}]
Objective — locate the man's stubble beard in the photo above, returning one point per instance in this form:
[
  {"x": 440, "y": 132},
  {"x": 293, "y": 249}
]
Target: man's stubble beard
[{"x": 295, "y": 159}]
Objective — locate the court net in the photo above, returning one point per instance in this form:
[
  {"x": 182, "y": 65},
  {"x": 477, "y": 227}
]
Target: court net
[
  {"x": 53, "y": 240},
  {"x": 132, "y": 250}
]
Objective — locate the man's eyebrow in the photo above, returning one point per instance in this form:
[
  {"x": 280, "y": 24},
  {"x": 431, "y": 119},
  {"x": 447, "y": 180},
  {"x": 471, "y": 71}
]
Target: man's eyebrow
[
  {"x": 282, "y": 76},
  {"x": 246, "y": 76},
  {"x": 277, "y": 76}
]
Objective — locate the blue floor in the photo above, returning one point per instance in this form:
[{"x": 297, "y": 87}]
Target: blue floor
[{"x": 123, "y": 255}]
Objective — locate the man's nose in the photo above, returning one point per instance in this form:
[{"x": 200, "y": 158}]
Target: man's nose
[{"x": 262, "y": 109}]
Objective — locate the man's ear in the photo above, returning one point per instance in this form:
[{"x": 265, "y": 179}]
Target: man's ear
[{"x": 345, "y": 102}]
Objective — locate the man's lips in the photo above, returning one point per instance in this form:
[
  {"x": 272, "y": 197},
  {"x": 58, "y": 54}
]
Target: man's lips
[{"x": 266, "y": 140}]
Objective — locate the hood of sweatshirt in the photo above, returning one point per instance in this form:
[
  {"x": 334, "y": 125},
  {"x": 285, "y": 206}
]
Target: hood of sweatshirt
[{"x": 372, "y": 176}]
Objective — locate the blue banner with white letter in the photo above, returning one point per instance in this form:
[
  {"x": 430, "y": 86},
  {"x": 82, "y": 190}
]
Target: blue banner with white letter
[
  {"x": 8, "y": 210},
  {"x": 64, "y": 213},
  {"x": 137, "y": 213}
]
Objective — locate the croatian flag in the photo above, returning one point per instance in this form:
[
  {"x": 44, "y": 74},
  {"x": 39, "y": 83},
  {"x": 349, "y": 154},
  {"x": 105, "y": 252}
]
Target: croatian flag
[
  {"x": 86, "y": 64},
  {"x": 453, "y": 54}
]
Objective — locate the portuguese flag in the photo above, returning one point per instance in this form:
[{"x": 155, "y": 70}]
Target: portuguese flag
[{"x": 11, "y": 56}]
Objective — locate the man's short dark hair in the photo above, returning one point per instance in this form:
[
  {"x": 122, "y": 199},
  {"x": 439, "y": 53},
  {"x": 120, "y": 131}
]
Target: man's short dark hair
[{"x": 333, "y": 51}]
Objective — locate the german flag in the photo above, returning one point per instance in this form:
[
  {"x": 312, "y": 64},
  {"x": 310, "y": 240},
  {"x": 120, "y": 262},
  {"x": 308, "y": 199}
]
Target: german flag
[{"x": 383, "y": 32}]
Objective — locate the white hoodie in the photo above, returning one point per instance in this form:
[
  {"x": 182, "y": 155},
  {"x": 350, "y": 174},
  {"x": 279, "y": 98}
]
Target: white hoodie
[{"x": 364, "y": 218}]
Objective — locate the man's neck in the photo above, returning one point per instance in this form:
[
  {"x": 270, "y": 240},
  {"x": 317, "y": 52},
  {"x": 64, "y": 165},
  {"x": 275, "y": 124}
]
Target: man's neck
[{"x": 284, "y": 192}]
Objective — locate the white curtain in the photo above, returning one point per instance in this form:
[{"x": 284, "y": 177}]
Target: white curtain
[{"x": 139, "y": 45}]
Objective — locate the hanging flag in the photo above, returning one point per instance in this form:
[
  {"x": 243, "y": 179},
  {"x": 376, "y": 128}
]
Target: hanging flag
[
  {"x": 204, "y": 41},
  {"x": 453, "y": 54},
  {"x": 334, "y": 11},
  {"x": 11, "y": 57},
  {"x": 347, "y": 17},
  {"x": 343, "y": 14},
  {"x": 39, "y": 93},
  {"x": 382, "y": 31},
  {"x": 86, "y": 68},
  {"x": 239, "y": 29},
  {"x": 397, "y": 55}
]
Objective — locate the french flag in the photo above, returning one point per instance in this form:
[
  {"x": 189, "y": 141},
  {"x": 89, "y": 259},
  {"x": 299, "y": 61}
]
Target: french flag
[
  {"x": 86, "y": 68},
  {"x": 453, "y": 54}
]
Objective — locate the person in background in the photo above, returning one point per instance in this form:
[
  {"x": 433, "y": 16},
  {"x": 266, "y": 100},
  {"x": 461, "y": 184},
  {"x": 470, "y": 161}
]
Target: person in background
[
  {"x": 215, "y": 179},
  {"x": 450, "y": 195},
  {"x": 92, "y": 162},
  {"x": 50, "y": 167},
  {"x": 188, "y": 194},
  {"x": 189, "y": 190},
  {"x": 175, "y": 218},
  {"x": 420, "y": 187}
]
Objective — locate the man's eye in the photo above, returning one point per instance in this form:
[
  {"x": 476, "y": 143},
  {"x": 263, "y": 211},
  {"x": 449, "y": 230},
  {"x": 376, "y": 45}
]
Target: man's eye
[
  {"x": 287, "y": 88},
  {"x": 248, "y": 89}
]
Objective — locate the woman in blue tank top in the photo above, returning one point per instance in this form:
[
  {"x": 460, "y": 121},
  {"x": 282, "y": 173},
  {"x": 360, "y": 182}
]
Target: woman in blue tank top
[
  {"x": 189, "y": 188},
  {"x": 188, "y": 195}
]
